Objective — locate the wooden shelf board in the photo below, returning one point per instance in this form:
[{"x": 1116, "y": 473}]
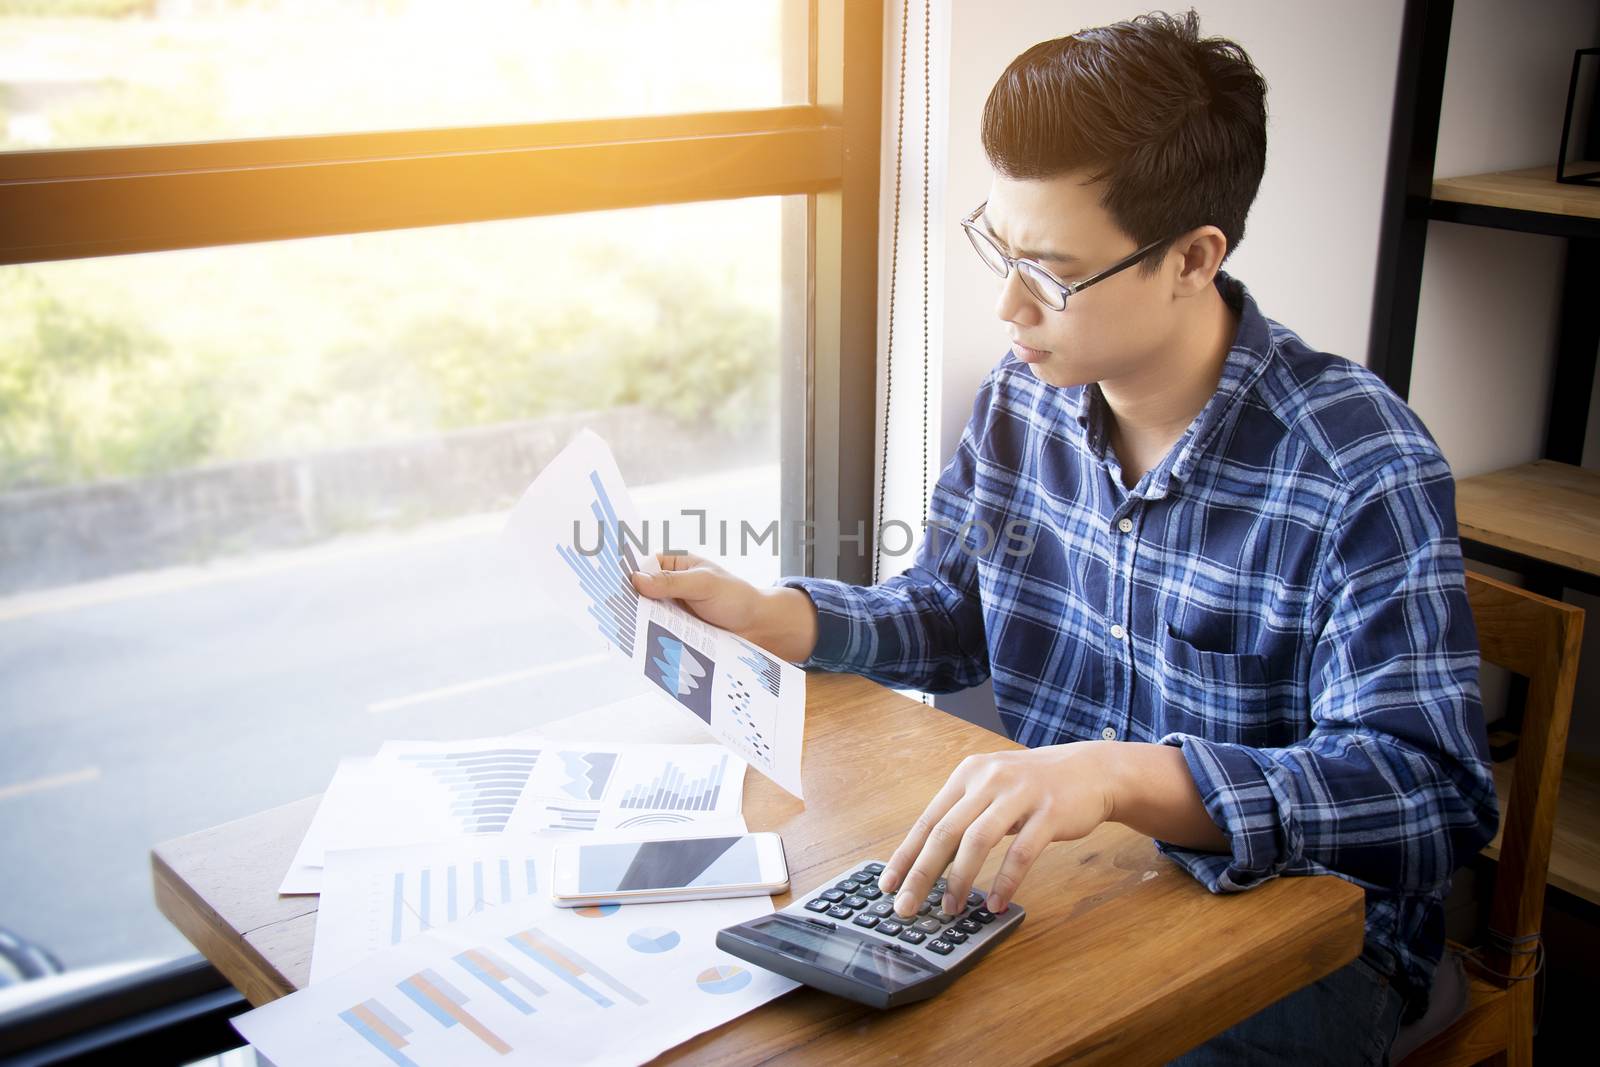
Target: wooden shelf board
[
  {"x": 1547, "y": 510},
  {"x": 1575, "y": 848},
  {"x": 1534, "y": 189}
]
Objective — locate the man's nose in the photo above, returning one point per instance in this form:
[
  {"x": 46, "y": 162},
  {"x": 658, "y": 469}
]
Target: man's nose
[{"x": 1015, "y": 303}]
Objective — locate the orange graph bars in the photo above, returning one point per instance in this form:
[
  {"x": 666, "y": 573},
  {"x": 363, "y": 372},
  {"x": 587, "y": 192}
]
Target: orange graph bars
[
  {"x": 570, "y": 967},
  {"x": 443, "y": 1001}
]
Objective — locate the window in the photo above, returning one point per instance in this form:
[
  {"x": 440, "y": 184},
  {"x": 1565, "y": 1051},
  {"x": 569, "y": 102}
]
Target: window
[
  {"x": 264, "y": 400},
  {"x": 117, "y": 72}
]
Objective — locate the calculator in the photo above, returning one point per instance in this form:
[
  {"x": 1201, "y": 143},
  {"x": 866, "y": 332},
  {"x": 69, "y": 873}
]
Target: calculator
[{"x": 845, "y": 938}]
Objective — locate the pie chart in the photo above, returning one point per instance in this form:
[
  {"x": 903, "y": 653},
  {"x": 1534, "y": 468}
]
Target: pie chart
[
  {"x": 598, "y": 911},
  {"x": 725, "y": 979},
  {"x": 653, "y": 939}
]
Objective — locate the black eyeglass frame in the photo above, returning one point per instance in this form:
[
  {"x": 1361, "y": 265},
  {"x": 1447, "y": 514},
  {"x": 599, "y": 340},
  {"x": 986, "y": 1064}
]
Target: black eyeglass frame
[{"x": 1065, "y": 290}]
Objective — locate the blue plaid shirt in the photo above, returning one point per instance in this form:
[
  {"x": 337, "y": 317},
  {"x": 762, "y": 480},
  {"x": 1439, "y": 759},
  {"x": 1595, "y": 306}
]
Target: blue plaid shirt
[{"x": 1282, "y": 597}]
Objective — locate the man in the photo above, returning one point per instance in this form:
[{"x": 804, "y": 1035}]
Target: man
[{"x": 1242, "y": 627}]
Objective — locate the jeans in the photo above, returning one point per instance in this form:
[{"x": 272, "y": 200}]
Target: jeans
[{"x": 1348, "y": 1017}]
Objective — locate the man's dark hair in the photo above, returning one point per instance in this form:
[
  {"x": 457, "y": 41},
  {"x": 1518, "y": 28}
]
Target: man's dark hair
[{"x": 1174, "y": 125}]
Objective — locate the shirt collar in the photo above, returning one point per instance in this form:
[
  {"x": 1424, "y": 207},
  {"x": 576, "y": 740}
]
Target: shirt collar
[{"x": 1246, "y": 361}]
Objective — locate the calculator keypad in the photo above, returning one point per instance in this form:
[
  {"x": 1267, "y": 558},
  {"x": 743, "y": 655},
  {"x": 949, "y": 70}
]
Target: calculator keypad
[{"x": 858, "y": 898}]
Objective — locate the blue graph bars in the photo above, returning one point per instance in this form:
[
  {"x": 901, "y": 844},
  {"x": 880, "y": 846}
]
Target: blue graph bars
[
  {"x": 496, "y": 973},
  {"x": 443, "y": 1001},
  {"x": 415, "y": 894},
  {"x": 381, "y": 1028},
  {"x": 766, "y": 669},
  {"x": 671, "y": 792},
  {"x": 485, "y": 784},
  {"x": 614, "y": 603},
  {"x": 570, "y": 967}
]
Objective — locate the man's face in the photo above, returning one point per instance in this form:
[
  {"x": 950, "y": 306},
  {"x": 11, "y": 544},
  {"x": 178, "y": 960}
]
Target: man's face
[{"x": 1116, "y": 328}]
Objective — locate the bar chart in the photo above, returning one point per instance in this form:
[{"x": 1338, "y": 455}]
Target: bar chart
[
  {"x": 428, "y": 897},
  {"x": 445, "y": 1003},
  {"x": 381, "y": 1029},
  {"x": 603, "y": 572},
  {"x": 673, "y": 790},
  {"x": 485, "y": 785},
  {"x": 765, "y": 668},
  {"x": 571, "y": 968},
  {"x": 498, "y": 975}
]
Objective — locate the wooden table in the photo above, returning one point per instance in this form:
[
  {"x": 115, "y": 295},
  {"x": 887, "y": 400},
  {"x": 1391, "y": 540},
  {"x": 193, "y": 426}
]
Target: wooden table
[{"x": 1124, "y": 958}]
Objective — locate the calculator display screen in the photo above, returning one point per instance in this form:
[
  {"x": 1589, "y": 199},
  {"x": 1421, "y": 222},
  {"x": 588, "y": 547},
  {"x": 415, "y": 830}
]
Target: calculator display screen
[{"x": 842, "y": 953}]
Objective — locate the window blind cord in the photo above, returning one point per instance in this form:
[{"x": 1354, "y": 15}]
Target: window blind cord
[
  {"x": 894, "y": 275},
  {"x": 894, "y": 271},
  {"x": 894, "y": 266}
]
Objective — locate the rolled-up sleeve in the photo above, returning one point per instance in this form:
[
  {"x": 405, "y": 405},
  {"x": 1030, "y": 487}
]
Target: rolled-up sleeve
[
  {"x": 922, "y": 628},
  {"x": 1392, "y": 787}
]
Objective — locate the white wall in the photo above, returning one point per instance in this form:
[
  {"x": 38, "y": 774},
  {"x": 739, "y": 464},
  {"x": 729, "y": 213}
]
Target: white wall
[
  {"x": 1486, "y": 319},
  {"x": 1486, "y": 322}
]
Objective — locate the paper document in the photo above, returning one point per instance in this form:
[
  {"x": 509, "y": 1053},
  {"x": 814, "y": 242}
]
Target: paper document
[
  {"x": 413, "y": 792},
  {"x": 581, "y": 535},
  {"x": 375, "y": 898},
  {"x": 526, "y": 982}
]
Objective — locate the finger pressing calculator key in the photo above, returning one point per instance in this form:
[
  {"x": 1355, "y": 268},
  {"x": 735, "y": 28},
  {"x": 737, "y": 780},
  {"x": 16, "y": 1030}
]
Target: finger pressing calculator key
[{"x": 843, "y": 939}]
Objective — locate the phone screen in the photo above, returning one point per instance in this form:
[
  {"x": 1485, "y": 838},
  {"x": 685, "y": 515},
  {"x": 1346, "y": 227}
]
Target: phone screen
[{"x": 707, "y": 861}]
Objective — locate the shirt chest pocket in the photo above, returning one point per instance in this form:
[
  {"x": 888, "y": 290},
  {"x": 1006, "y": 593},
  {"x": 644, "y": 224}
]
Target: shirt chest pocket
[{"x": 1238, "y": 697}]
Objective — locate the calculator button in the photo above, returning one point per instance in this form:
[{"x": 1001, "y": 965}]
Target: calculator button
[
  {"x": 875, "y": 868},
  {"x": 941, "y": 885},
  {"x": 882, "y": 909},
  {"x": 983, "y": 915},
  {"x": 818, "y": 905},
  {"x": 848, "y": 886},
  {"x": 926, "y": 907},
  {"x": 968, "y": 926},
  {"x": 941, "y": 917},
  {"x": 869, "y": 921},
  {"x": 855, "y": 902},
  {"x": 927, "y": 926},
  {"x": 832, "y": 896},
  {"x": 839, "y": 911},
  {"x": 954, "y": 936},
  {"x": 871, "y": 892},
  {"x": 916, "y": 937},
  {"x": 935, "y": 897},
  {"x": 862, "y": 876},
  {"x": 943, "y": 948},
  {"x": 890, "y": 927},
  {"x": 974, "y": 898}
]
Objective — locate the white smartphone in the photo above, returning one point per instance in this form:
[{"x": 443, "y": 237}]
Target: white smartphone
[{"x": 692, "y": 868}]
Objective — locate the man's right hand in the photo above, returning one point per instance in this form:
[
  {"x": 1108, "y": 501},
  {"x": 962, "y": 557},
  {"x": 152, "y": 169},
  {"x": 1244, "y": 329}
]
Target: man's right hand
[{"x": 779, "y": 619}]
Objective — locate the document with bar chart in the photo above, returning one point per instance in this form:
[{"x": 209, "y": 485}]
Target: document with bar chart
[
  {"x": 525, "y": 982},
  {"x": 581, "y": 536},
  {"x": 375, "y": 898},
  {"x": 414, "y": 792}
]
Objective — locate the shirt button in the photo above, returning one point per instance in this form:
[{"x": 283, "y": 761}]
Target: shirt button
[
  {"x": 1117, "y": 631},
  {"x": 1109, "y": 733},
  {"x": 1126, "y": 525}
]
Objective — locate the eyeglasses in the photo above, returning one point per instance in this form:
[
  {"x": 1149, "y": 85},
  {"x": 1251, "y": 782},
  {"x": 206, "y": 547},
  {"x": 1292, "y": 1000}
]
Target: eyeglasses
[{"x": 1051, "y": 291}]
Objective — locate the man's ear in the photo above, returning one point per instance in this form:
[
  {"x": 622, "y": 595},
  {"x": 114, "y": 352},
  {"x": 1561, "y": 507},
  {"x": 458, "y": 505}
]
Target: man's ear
[{"x": 1200, "y": 254}]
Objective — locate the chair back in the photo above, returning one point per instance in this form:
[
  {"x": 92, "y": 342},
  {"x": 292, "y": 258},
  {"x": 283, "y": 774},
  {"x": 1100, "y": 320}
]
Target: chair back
[{"x": 1540, "y": 639}]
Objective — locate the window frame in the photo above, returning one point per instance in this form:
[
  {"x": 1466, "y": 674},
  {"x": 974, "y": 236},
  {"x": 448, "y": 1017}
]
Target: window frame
[{"x": 822, "y": 155}]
